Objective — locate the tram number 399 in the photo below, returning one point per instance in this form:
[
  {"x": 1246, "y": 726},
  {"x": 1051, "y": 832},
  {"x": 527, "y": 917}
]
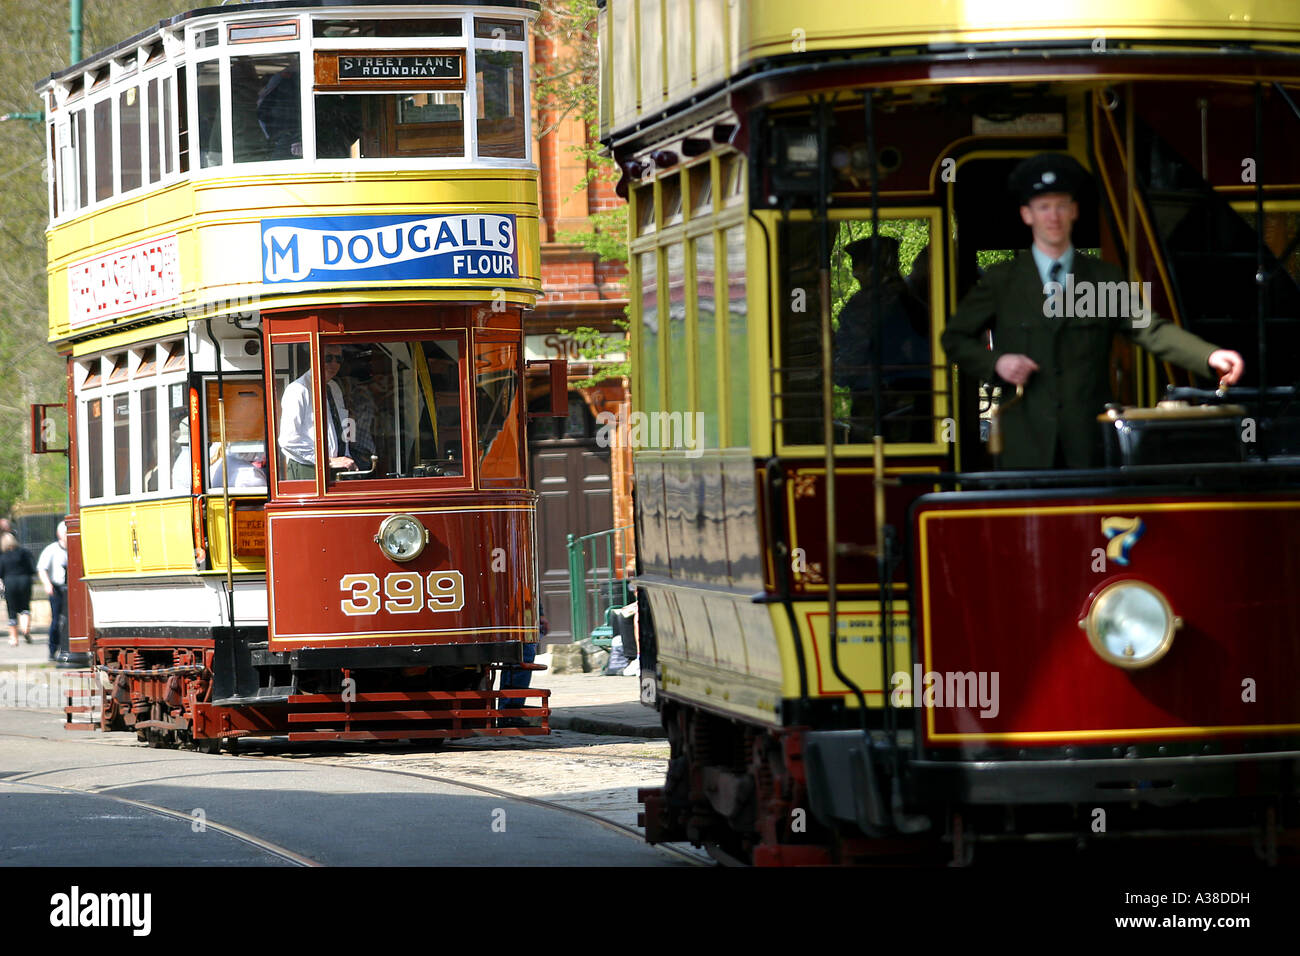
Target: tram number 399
[{"x": 402, "y": 592}]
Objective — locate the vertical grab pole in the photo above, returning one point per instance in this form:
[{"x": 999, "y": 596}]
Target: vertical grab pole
[
  {"x": 828, "y": 403},
  {"x": 1261, "y": 276},
  {"x": 225, "y": 485},
  {"x": 877, "y": 424}
]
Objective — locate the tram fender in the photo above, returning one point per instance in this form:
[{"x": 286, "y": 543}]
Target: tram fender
[
  {"x": 233, "y": 673},
  {"x": 844, "y": 784}
]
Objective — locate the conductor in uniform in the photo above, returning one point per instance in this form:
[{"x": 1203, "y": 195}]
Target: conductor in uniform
[{"x": 1062, "y": 359}]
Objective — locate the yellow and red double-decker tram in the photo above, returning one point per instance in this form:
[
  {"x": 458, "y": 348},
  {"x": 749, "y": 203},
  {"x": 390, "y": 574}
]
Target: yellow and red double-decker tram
[
  {"x": 868, "y": 631},
  {"x": 289, "y": 252}
]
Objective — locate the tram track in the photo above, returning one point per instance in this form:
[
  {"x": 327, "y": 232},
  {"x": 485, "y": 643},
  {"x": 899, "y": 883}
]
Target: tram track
[
  {"x": 632, "y": 832},
  {"x": 275, "y": 849},
  {"x": 697, "y": 859}
]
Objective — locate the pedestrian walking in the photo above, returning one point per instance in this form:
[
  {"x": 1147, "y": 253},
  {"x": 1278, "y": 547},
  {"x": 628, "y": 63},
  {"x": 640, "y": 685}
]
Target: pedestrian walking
[
  {"x": 52, "y": 566},
  {"x": 17, "y": 570}
]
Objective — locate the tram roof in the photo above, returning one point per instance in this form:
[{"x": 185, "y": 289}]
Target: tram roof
[
  {"x": 646, "y": 78},
  {"x": 256, "y": 6}
]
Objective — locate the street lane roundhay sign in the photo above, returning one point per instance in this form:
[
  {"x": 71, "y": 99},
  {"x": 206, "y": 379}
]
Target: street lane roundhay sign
[{"x": 420, "y": 67}]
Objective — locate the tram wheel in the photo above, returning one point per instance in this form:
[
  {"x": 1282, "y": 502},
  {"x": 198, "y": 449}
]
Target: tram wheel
[{"x": 208, "y": 745}]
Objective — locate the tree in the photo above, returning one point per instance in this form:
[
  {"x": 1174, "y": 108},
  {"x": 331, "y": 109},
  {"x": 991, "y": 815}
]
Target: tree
[
  {"x": 566, "y": 83},
  {"x": 36, "y": 45}
]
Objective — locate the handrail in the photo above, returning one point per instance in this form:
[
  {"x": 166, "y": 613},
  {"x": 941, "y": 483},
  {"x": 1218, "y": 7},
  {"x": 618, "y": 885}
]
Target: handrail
[{"x": 592, "y": 586}]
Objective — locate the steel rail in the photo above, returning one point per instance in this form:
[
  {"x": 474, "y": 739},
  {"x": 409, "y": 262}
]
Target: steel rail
[
  {"x": 284, "y": 853},
  {"x": 504, "y": 794}
]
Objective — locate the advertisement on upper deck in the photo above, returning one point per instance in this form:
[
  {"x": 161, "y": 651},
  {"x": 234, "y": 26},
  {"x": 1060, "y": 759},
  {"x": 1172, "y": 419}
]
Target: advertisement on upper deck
[
  {"x": 127, "y": 280},
  {"x": 382, "y": 248}
]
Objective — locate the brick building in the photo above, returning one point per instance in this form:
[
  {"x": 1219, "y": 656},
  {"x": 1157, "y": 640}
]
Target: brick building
[{"x": 585, "y": 488}]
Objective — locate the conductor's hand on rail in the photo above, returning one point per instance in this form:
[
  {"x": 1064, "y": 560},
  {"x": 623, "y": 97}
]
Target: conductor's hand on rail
[
  {"x": 341, "y": 461},
  {"x": 1228, "y": 364},
  {"x": 1016, "y": 369}
]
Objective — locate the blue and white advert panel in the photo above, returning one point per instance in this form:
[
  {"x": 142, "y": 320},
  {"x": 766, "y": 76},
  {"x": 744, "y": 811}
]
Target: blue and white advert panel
[{"x": 387, "y": 248}]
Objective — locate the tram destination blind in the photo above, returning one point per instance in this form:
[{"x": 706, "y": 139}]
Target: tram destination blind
[{"x": 418, "y": 67}]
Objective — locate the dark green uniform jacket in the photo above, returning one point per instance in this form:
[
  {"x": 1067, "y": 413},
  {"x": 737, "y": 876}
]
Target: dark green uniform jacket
[{"x": 1063, "y": 398}]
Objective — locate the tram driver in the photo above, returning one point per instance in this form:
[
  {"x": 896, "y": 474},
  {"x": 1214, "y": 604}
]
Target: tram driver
[
  {"x": 297, "y": 432},
  {"x": 1062, "y": 360}
]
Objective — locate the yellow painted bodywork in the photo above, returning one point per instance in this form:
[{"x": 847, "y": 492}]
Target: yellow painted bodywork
[
  {"x": 712, "y": 39},
  {"x": 732, "y": 680},
  {"x": 137, "y": 538},
  {"x": 218, "y": 548},
  {"x": 217, "y": 222}
]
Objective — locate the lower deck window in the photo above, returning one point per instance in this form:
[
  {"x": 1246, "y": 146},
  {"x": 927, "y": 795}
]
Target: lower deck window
[{"x": 378, "y": 125}]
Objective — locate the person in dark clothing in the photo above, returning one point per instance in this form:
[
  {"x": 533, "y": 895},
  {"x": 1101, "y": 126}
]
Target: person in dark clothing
[
  {"x": 1063, "y": 361},
  {"x": 17, "y": 570},
  {"x": 904, "y": 352}
]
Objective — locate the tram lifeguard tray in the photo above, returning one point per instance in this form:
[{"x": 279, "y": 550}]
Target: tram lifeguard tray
[{"x": 1172, "y": 433}]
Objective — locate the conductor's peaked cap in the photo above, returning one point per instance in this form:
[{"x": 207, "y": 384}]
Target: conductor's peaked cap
[
  {"x": 1047, "y": 173},
  {"x": 859, "y": 250}
]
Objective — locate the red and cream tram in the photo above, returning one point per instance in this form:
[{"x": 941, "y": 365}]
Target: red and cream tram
[{"x": 290, "y": 249}]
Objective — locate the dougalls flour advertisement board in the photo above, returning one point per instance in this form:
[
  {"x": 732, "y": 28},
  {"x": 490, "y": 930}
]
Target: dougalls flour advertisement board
[{"x": 386, "y": 248}]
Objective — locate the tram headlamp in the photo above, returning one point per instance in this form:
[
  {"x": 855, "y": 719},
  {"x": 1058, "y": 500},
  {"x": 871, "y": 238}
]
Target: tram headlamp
[
  {"x": 1131, "y": 624},
  {"x": 401, "y": 537}
]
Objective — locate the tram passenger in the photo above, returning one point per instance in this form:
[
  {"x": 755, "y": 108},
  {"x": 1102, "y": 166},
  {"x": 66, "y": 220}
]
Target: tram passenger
[
  {"x": 297, "y": 432},
  {"x": 904, "y": 352},
  {"x": 247, "y": 469},
  {"x": 1061, "y": 360},
  {"x": 278, "y": 114},
  {"x": 181, "y": 442}
]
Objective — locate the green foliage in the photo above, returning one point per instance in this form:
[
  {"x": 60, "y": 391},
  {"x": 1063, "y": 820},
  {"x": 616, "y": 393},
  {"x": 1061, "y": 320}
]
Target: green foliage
[
  {"x": 36, "y": 45},
  {"x": 595, "y": 345},
  {"x": 608, "y": 236},
  {"x": 991, "y": 257},
  {"x": 913, "y": 235},
  {"x": 567, "y": 84}
]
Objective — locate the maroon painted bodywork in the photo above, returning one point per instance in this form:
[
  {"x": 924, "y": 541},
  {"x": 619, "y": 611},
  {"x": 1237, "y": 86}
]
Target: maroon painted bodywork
[
  {"x": 487, "y": 538},
  {"x": 1001, "y": 584}
]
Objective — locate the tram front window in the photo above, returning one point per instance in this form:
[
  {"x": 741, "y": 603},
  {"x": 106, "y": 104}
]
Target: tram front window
[{"x": 401, "y": 414}]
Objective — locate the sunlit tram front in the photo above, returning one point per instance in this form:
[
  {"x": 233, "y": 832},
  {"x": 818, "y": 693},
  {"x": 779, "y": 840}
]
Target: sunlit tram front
[
  {"x": 290, "y": 251},
  {"x": 885, "y": 620}
]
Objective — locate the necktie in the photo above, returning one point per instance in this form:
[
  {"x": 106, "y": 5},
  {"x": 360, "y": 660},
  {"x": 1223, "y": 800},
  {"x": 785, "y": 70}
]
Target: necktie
[
  {"x": 1054, "y": 272},
  {"x": 337, "y": 428}
]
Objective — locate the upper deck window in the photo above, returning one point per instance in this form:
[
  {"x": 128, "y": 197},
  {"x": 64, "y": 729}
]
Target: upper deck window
[
  {"x": 266, "y": 112},
  {"x": 501, "y": 110},
  {"x": 128, "y": 120},
  {"x": 442, "y": 27},
  {"x": 255, "y": 32},
  {"x": 209, "y": 101},
  {"x": 103, "y": 149},
  {"x": 488, "y": 29}
]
